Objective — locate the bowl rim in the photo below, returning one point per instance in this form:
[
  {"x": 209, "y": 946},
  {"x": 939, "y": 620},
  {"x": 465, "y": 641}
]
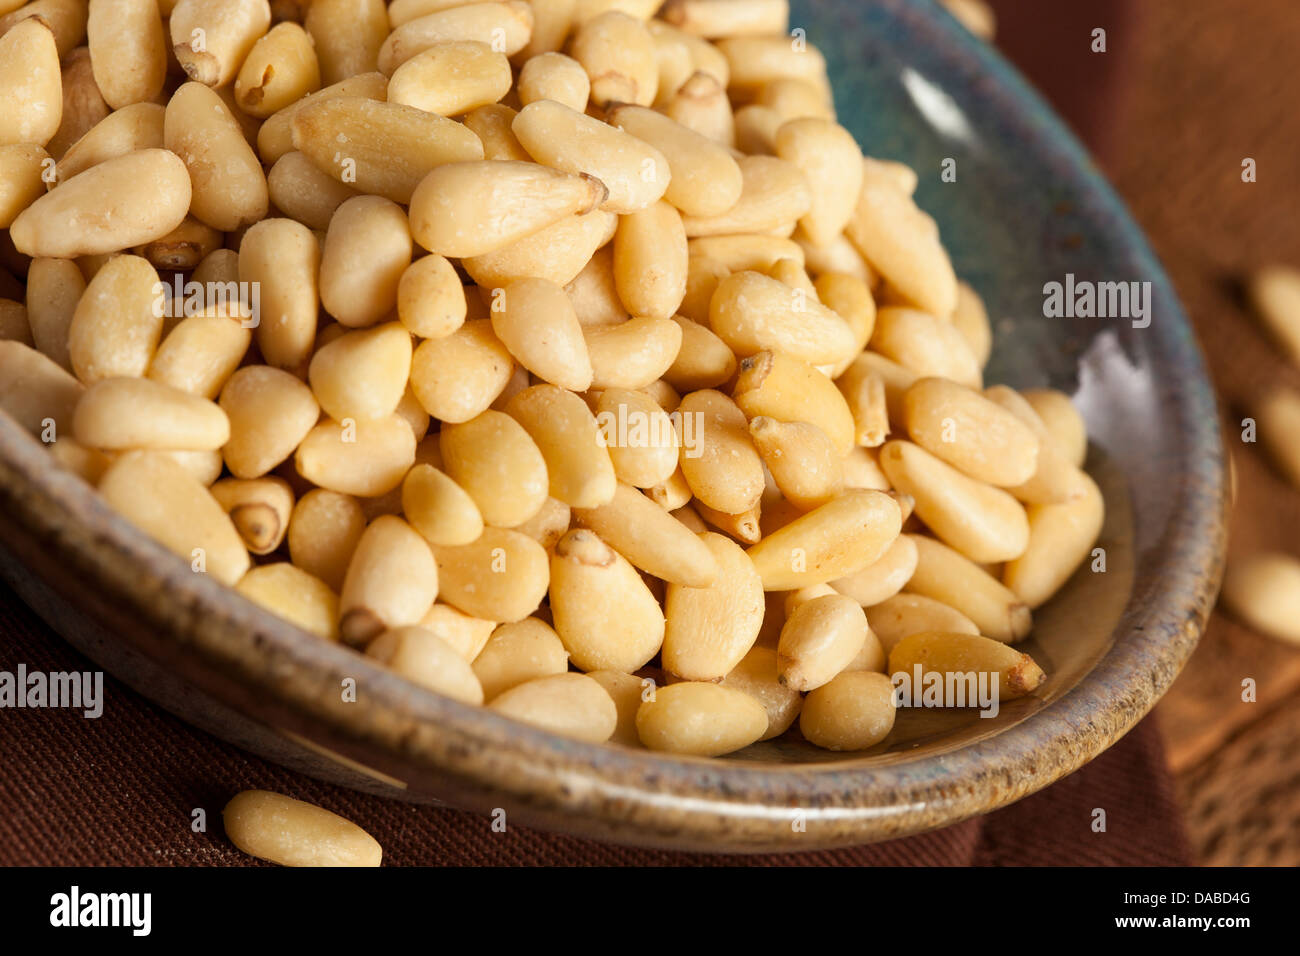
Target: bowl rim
[{"x": 476, "y": 758}]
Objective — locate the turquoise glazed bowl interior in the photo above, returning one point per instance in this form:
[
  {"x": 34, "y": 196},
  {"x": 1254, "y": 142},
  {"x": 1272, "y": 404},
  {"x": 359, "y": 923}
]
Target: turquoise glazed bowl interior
[{"x": 1027, "y": 209}]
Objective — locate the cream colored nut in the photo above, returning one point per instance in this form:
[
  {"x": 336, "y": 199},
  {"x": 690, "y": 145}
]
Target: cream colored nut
[
  {"x": 1263, "y": 590},
  {"x": 703, "y": 361},
  {"x": 362, "y": 374},
  {"x": 746, "y": 253},
  {"x": 293, "y": 833},
  {"x": 35, "y": 391},
  {"x": 936, "y": 652},
  {"x": 700, "y": 719},
  {"x": 906, "y": 614},
  {"x": 651, "y": 538},
  {"x": 122, "y": 202},
  {"x": 1060, "y": 539},
  {"x": 571, "y": 705},
  {"x": 324, "y": 529},
  {"x": 503, "y": 575},
  {"x": 727, "y": 472},
  {"x": 925, "y": 345},
  {"x": 280, "y": 258},
  {"x": 710, "y": 629},
  {"x": 66, "y": 18},
  {"x": 535, "y": 321},
  {"x": 451, "y": 78},
  {"x": 604, "y": 613},
  {"x": 22, "y": 166},
  {"x": 120, "y": 413},
  {"x": 280, "y": 69},
  {"x": 367, "y": 458},
  {"x": 228, "y": 185},
  {"x": 128, "y": 51},
  {"x": 54, "y": 287},
  {"x": 854, "y": 711},
  {"x": 1274, "y": 292},
  {"x": 302, "y": 192},
  {"x": 426, "y": 659},
  {"x": 758, "y": 60},
  {"x": 552, "y": 22},
  {"x": 830, "y": 542},
  {"x": 294, "y": 595},
  {"x": 211, "y": 38},
  {"x": 565, "y": 432},
  {"x": 701, "y": 104},
  {"x": 270, "y": 413},
  {"x": 883, "y": 578},
  {"x": 440, "y": 509},
  {"x": 200, "y": 354},
  {"x": 745, "y": 527},
  {"x": 557, "y": 253},
  {"x": 902, "y": 243},
  {"x": 184, "y": 247},
  {"x": 632, "y": 354},
  {"x": 554, "y": 76},
  {"x": 650, "y": 261},
  {"x": 547, "y": 526},
  {"x": 459, "y": 376},
  {"x": 517, "y": 653},
  {"x": 506, "y": 27},
  {"x": 627, "y": 691},
  {"x": 1279, "y": 424},
  {"x": 474, "y": 208},
  {"x": 820, "y": 639},
  {"x": 781, "y": 387},
  {"x": 978, "y": 437},
  {"x": 831, "y": 162},
  {"x": 1056, "y": 480},
  {"x": 644, "y": 451},
  {"x": 868, "y": 402},
  {"x": 275, "y": 135},
  {"x": 984, "y": 523},
  {"x": 430, "y": 298},
  {"x": 115, "y": 327},
  {"x": 166, "y": 502},
  {"x": 31, "y": 85},
  {"x": 367, "y": 248},
  {"x": 391, "y": 581},
  {"x": 497, "y": 462},
  {"x": 756, "y": 675},
  {"x": 1062, "y": 420},
  {"x": 944, "y": 575},
  {"x": 635, "y": 173},
  {"x": 972, "y": 320},
  {"x": 83, "y": 105},
  {"x": 839, "y": 256},
  {"x": 380, "y": 148},
  {"x": 673, "y": 56},
  {"x": 491, "y": 124},
  {"x": 705, "y": 178},
  {"x": 592, "y": 291},
  {"x": 347, "y": 34},
  {"x": 804, "y": 462},
  {"x": 774, "y": 196},
  {"x": 849, "y": 297},
  {"x": 728, "y": 18},
  {"x": 793, "y": 99},
  {"x": 862, "y": 470},
  {"x": 259, "y": 508},
  {"x": 464, "y": 633},
  {"x": 618, "y": 53},
  {"x": 752, "y": 312},
  {"x": 793, "y": 275}
]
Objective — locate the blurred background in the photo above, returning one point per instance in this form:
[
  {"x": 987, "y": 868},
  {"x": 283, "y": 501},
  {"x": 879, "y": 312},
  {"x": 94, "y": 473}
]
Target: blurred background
[{"x": 1187, "y": 90}]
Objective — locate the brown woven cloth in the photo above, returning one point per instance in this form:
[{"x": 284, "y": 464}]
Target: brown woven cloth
[{"x": 122, "y": 788}]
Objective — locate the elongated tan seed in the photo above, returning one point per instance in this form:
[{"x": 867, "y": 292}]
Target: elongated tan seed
[
  {"x": 969, "y": 432},
  {"x": 211, "y": 37},
  {"x": 778, "y": 386},
  {"x": 519, "y": 652},
  {"x": 701, "y": 719},
  {"x": 422, "y": 656},
  {"x": 727, "y": 472},
  {"x": 578, "y": 467},
  {"x": 324, "y": 529},
  {"x": 295, "y": 595},
  {"x": 270, "y": 413},
  {"x": 503, "y": 575},
  {"x": 650, "y": 538},
  {"x": 259, "y": 508},
  {"x": 1060, "y": 539},
  {"x": 571, "y": 705},
  {"x": 1263, "y": 590},
  {"x": 937, "y": 652},
  {"x": 367, "y": 458},
  {"x": 497, "y": 462},
  {"x": 392, "y": 580},
  {"x": 946, "y": 576},
  {"x": 31, "y": 85},
  {"x": 710, "y": 629},
  {"x": 127, "y": 50},
  {"x": 905, "y": 614},
  {"x": 820, "y": 639},
  {"x": 274, "y": 827}
]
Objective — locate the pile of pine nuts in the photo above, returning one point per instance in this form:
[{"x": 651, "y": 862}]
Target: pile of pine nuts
[{"x": 579, "y": 364}]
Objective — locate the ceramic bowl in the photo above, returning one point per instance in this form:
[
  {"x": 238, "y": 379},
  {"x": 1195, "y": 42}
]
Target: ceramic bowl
[{"x": 1027, "y": 209}]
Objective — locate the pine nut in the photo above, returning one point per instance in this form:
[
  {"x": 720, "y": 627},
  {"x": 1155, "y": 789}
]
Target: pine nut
[
  {"x": 506, "y": 27},
  {"x": 440, "y": 509},
  {"x": 83, "y": 105},
  {"x": 746, "y": 253},
  {"x": 937, "y": 652},
  {"x": 127, "y": 51},
  {"x": 369, "y": 457},
  {"x": 1279, "y": 423},
  {"x": 854, "y": 711},
  {"x": 634, "y": 353},
  {"x": 565, "y": 432},
  {"x": 503, "y": 575},
  {"x": 281, "y": 259},
  {"x": 31, "y": 84},
  {"x": 35, "y": 390},
  {"x": 571, "y": 705},
  {"x": 1062, "y": 420},
  {"x": 294, "y": 595},
  {"x": 830, "y": 542},
  {"x": 554, "y": 76},
  {"x": 491, "y": 124},
  {"x": 200, "y": 354},
  {"x": 752, "y": 312},
  {"x": 259, "y": 508},
  {"x": 270, "y": 413},
  {"x": 819, "y": 640},
  {"x": 726, "y": 18},
  {"x": 883, "y": 578},
  {"x": 430, "y": 298},
  {"x": 906, "y": 614},
  {"x": 557, "y": 253},
  {"x": 701, "y": 104},
  {"x": 774, "y": 196},
  {"x": 459, "y": 376},
  {"x": 377, "y": 147},
  {"x": 1056, "y": 480},
  {"x": 114, "y": 329},
  {"x": 293, "y": 833},
  {"x": 848, "y": 297},
  {"x": 925, "y": 345},
  {"x": 348, "y": 35},
  {"x": 301, "y": 191},
  {"x": 135, "y": 199},
  {"x": 756, "y": 675},
  {"x": 391, "y": 581},
  {"x": 728, "y": 473},
  {"x": 1060, "y": 539},
  {"x": 426, "y": 659},
  {"x": 635, "y": 173},
  {"x": 21, "y": 166},
  {"x": 451, "y": 78},
  {"x": 831, "y": 162},
  {"x": 324, "y": 529},
  {"x": 618, "y": 54},
  {"x": 862, "y": 470},
  {"x": 362, "y": 374},
  {"x": 773, "y": 384},
  {"x": 704, "y": 720},
  {"x": 972, "y": 320},
  {"x": 120, "y": 413},
  {"x": 464, "y": 633},
  {"x": 1263, "y": 590},
  {"x": 497, "y": 462},
  {"x": 1274, "y": 292},
  {"x": 54, "y": 287},
  {"x": 517, "y": 653},
  {"x": 275, "y": 136},
  {"x": 641, "y": 463},
  {"x": 650, "y": 538},
  {"x": 184, "y": 247},
  {"x": 626, "y": 691},
  {"x": 537, "y": 324},
  {"x": 758, "y": 60},
  {"x": 745, "y": 527},
  {"x": 228, "y": 186},
  {"x": 151, "y": 491},
  {"x": 704, "y": 360},
  {"x": 838, "y": 256},
  {"x": 710, "y": 629},
  {"x": 944, "y": 575},
  {"x": 650, "y": 261},
  {"x": 280, "y": 69},
  {"x": 211, "y": 38},
  {"x": 367, "y": 248},
  {"x": 978, "y": 437},
  {"x": 802, "y": 460},
  {"x": 547, "y": 526}
]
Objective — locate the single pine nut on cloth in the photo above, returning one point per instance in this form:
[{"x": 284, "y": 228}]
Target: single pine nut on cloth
[{"x": 567, "y": 359}]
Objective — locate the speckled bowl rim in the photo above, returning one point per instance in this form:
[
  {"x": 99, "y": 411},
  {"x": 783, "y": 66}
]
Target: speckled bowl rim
[{"x": 475, "y": 758}]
